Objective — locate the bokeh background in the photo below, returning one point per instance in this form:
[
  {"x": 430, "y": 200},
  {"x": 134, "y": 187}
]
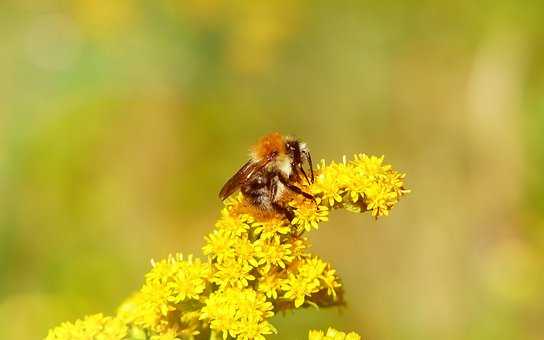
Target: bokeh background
[{"x": 120, "y": 120}]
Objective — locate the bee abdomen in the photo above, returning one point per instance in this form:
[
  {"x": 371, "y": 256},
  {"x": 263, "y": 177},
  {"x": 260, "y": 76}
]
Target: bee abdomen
[{"x": 257, "y": 191}]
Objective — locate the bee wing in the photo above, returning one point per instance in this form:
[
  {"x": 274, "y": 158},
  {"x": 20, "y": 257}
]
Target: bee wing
[{"x": 242, "y": 176}]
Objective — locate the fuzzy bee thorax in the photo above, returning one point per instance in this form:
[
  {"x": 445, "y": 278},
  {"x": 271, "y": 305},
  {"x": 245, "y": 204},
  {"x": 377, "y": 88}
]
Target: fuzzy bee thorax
[{"x": 273, "y": 143}]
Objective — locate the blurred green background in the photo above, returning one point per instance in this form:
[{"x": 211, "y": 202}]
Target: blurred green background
[{"x": 120, "y": 120}]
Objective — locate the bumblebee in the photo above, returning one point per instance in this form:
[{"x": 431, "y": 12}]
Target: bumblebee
[{"x": 276, "y": 165}]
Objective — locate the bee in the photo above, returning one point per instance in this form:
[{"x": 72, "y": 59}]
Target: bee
[{"x": 276, "y": 165}]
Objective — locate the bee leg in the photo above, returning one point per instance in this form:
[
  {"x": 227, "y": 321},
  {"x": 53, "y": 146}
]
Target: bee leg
[
  {"x": 309, "y": 157},
  {"x": 296, "y": 189},
  {"x": 273, "y": 189}
]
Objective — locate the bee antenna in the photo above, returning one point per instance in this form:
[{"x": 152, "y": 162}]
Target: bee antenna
[{"x": 304, "y": 173}]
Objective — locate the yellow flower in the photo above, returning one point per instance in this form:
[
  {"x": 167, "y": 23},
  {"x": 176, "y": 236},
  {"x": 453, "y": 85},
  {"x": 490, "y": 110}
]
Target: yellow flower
[
  {"x": 161, "y": 271},
  {"x": 312, "y": 268},
  {"x": 232, "y": 224},
  {"x": 239, "y": 313},
  {"x": 380, "y": 200},
  {"x": 358, "y": 186},
  {"x": 189, "y": 281},
  {"x": 332, "y": 334},
  {"x": 270, "y": 228},
  {"x": 154, "y": 302},
  {"x": 157, "y": 306},
  {"x": 219, "y": 245},
  {"x": 91, "y": 327},
  {"x": 364, "y": 183},
  {"x": 253, "y": 305},
  {"x": 299, "y": 246},
  {"x": 170, "y": 334},
  {"x": 254, "y": 330},
  {"x": 232, "y": 273},
  {"x": 183, "y": 278},
  {"x": 370, "y": 165},
  {"x": 376, "y": 184},
  {"x": 316, "y": 335},
  {"x": 273, "y": 253},
  {"x": 330, "y": 281},
  {"x": 220, "y": 310},
  {"x": 311, "y": 276},
  {"x": 316, "y": 269},
  {"x": 330, "y": 182},
  {"x": 270, "y": 284},
  {"x": 298, "y": 287},
  {"x": 245, "y": 252},
  {"x": 308, "y": 215}
]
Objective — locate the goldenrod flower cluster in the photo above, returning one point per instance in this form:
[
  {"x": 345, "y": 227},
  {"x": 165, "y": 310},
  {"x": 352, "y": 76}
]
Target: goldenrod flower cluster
[
  {"x": 362, "y": 184},
  {"x": 257, "y": 264},
  {"x": 95, "y": 326}
]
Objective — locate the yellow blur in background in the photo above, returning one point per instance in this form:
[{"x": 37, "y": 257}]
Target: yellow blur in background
[{"x": 120, "y": 121}]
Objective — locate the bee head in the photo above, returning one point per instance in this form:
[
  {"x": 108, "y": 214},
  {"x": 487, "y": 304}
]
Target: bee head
[
  {"x": 292, "y": 149},
  {"x": 299, "y": 154}
]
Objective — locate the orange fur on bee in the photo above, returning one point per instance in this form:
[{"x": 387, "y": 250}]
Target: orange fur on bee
[{"x": 273, "y": 142}]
